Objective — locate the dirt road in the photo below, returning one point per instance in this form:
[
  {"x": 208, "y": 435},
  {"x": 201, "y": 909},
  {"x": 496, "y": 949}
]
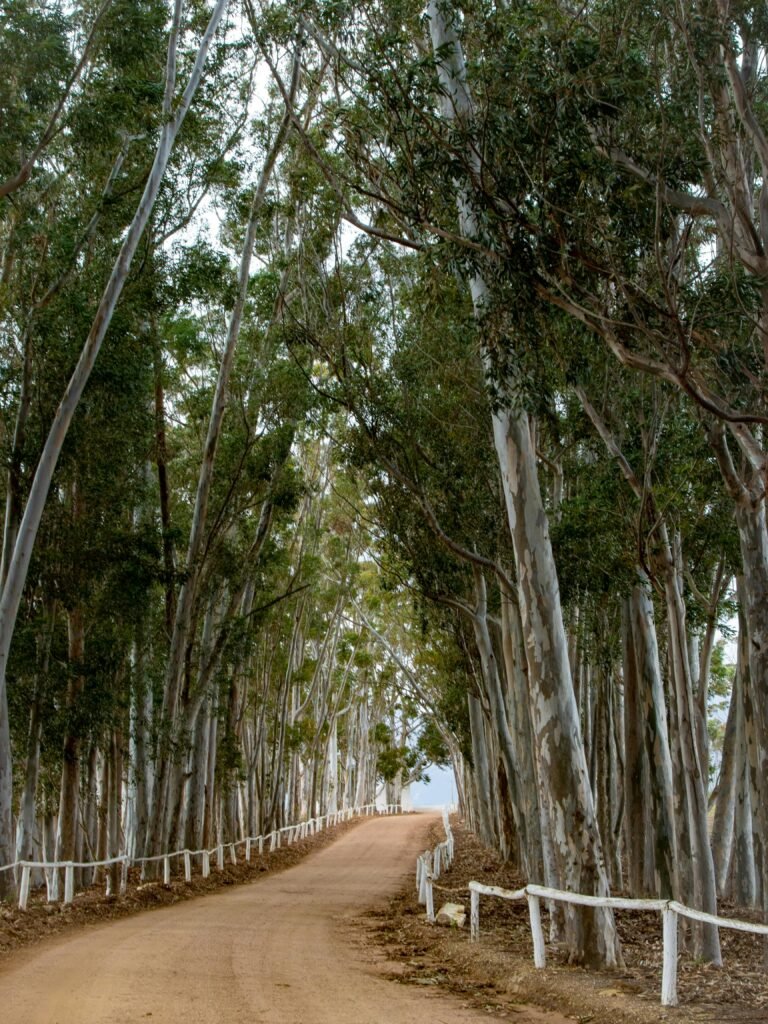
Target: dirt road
[{"x": 272, "y": 953}]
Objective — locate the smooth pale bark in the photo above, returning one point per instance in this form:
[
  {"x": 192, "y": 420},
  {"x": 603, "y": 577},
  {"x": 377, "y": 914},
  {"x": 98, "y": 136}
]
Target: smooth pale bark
[
  {"x": 100, "y": 788},
  {"x": 751, "y": 522},
  {"x": 745, "y": 887},
  {"x": 651, "y": 690},
  {"x": 725, "y": 802},
  {"x": 518, "y": 703},
  {"x": 748, "y": 494},
  {"x": 495, "y": 696},
  {"x": 25, "y": 827},
  {"x": 700, "y": 652},
  {"x": 7, "y": 880},
  {"x": 140, "y": 767},
  {"x": 481, "y": 777},
  {"x": 606, "y": 771},
  {"x": 704, "y": 890},
  {"x": 209, "y": 824},
  {"x": 198, "y": 773},
  {"x": 161, "y": 462},
  {"x": 575, "y": 837},
  {"x": 18, "y": 565},
  {"x": 636, "y": 775},
  {"x": 656, "y": 738},
  {"x": 574, "y": 831},
  {"x": 363, "y": 756}
]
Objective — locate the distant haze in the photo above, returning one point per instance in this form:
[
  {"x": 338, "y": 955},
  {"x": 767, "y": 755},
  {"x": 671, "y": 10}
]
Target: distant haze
[{"x": 441, "y": 789}]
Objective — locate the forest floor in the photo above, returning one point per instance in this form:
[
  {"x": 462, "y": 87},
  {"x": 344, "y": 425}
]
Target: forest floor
[{"x": 497, "y": 974}]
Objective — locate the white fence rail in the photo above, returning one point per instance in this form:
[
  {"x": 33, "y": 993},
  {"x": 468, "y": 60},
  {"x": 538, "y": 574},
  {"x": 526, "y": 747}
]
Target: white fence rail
[
  {"x": 291, "y": 833},
  {"x": 429, "y": 865},
  {"x": 670, "y": 910}
]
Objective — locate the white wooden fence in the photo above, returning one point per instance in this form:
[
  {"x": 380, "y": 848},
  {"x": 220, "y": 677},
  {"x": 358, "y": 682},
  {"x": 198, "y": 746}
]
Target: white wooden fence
[
  {"x": 670, "y": 911},
  {"x": 429, "y": 866},
  {"x": 291, "y": 833}
]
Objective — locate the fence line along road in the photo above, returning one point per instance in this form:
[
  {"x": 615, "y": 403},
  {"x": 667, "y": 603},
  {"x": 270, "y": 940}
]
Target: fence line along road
[
  {"x": 428, "y": 868},
  {"x": 299, "y": 830},
  {"x": 670, "y": 910}
]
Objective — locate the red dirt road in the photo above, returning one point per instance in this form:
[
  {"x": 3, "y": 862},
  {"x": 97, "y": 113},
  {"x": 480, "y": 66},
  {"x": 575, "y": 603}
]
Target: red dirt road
[{"x": 271, "y": 953}]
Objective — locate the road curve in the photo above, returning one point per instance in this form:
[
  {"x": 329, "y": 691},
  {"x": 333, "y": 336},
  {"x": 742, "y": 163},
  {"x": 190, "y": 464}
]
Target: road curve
[{"x": 270, "y": 953}]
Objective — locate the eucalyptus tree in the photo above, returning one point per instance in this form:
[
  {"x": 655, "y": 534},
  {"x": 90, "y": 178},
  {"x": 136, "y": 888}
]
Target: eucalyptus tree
[
  {"x": 172, "y": 112},
  {"x": 642, "y": 221}
]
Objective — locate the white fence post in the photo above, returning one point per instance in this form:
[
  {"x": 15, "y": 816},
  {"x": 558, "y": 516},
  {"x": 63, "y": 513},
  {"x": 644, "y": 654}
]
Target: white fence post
[
  {"x": 52, "y": 881},
  {"x": 537, "y": 934},
  {"x": 261, "y": 846},
  {"x": 220, "y": 857},
  {"x": 669, "y": 972},
  {"x": 69, "y": 882},
  {"x": 124, "y": 867},
  {"x": 474, "y": 915},
  {"x": 430, "y": 899},
  {"x": 187, "y": 867},
  {"x": 247, "y": 851},
  {"x": 206, "y": 864},
  {"x": 426, "y": 867},
  {"x": 24, "y": 889},
  {"x": 166, "y": 870},
  {"x": 232, "y": 853}
]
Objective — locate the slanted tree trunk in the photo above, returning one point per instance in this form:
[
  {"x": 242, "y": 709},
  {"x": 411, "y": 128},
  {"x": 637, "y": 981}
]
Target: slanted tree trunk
[
  {"x": 481, "y": 777},
  {"x": 745, "y": 889},
  {"x": 18, "y": 564},
  {"x": 656, "y": 735},
  {"x": 704, "y": 892},
  {"x": 723, "y": 822},
  {"x": 516, "y": 672}
]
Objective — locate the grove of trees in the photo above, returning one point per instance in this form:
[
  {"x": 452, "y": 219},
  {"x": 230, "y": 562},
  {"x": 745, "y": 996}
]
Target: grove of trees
[{"x": 385, "y": 385}]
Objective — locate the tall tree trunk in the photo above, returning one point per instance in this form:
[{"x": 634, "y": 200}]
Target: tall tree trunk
[
  {"x": 657, "y": 744},
  {"x": 636, "y": 772},
  {"x": 575, "y": 837},
  {"x": 704, "y": 893},
  {"x": 723, "y": 821},
  {"x": 749, "y": 500},
  {"x": 481, "y": 777},
  {"x": 516, "y": 672},
  {"x": 66, "y": 835},
  {"x": 497, "y": 704},
  {"x": 115, "y": 807}
]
